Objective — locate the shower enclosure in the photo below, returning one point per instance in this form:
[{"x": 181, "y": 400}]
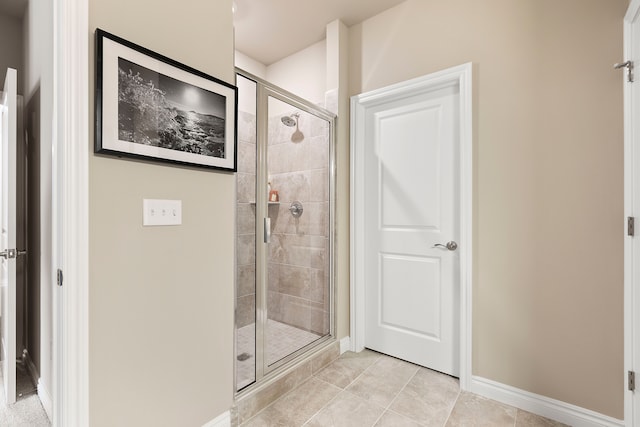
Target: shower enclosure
[{"x": 284, "y": 251}]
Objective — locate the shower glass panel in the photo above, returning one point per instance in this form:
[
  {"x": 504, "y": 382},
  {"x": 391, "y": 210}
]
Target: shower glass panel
[
  {"x": 246, "y": 235},
  {"x": 298, "y": 297},
  {"x": 285, "y": 187}
]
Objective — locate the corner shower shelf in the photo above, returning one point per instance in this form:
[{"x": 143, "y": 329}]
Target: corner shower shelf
[{"x": 270, "y": 203}]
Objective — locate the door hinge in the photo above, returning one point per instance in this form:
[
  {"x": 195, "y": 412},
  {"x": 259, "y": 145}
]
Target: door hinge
[
  {"x": 631, "y": 380},
  {"x": 629, "y": 66},
  {"x": 631, "y": 226},
  {"x": 59, "y": 277}
]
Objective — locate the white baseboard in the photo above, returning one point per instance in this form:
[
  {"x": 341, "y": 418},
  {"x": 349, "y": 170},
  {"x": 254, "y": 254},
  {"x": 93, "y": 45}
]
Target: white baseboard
[
  {"x": 45, "y": 398},
  {"x": 222, "y": 420},
  {"x": 345, "y": 344},
  {"x": 541, "y": 405},
  {"x": 43, "y": 393}
]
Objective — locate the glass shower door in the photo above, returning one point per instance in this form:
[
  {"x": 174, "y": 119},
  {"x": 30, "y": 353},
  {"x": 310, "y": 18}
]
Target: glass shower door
[
  {"x": 284, "y": 217},
  {"x": 298, "y": 269},
  {"x": 245, "y": 308}
]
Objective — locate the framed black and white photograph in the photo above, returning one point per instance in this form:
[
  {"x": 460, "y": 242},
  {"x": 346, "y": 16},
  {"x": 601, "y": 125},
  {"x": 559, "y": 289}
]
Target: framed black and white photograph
[{"x": 151, "y": 107}]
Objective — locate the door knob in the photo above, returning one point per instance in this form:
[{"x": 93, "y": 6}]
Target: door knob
[{"x": 452, "y": 246}]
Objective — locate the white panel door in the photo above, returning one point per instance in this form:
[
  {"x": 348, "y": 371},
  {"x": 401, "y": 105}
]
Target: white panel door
[
  {"x": 8, "y": 234},
  {"x": 411, "y": 205}
]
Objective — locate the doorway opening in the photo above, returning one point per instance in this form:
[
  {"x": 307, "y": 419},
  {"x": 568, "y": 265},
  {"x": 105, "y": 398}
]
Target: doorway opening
[{"x": 28, "y": 28}]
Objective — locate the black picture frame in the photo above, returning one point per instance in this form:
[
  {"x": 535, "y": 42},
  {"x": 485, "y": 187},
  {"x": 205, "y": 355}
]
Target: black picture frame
[{"x": 150, "y": 107}]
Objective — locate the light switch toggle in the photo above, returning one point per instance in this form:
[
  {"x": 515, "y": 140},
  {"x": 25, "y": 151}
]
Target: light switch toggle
[{"x": 161, "y": 212}]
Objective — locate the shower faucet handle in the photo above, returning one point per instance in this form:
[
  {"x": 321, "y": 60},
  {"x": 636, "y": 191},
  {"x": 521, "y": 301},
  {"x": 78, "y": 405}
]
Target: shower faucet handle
[{"x": 296, "y": 209}]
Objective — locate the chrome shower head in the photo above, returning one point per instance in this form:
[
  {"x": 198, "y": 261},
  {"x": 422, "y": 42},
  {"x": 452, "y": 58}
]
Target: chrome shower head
[
  {"x": 291, "y": 120},
  {"x": 288, "y": 121}
]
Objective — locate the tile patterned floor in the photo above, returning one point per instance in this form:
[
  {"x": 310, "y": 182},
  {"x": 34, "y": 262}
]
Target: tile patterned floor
[
  {"x": 282, "y": 340},
  {"x": 370, "y": 389}
]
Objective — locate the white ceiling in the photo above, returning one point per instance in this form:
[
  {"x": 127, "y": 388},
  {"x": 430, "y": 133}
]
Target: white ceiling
[{"x": 269, "y": 30}]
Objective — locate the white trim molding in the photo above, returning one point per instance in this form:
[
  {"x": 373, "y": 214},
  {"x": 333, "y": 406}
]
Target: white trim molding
[
  {"x": 43, "y": 393},
  {"x": 541, "y": 405},
  {"x": 631, "y": 209},
  {"x": 460, "y": 77},
  {"x": 345, "y": 344},
  {"x": 45, "y": 399},
  {"x": 70, "y": 213},
  {"x": 223, "y": 420}
]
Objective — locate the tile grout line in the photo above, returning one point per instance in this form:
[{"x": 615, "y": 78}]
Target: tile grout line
[
  {"x": 455, "y": 402},
  {"x": 275, "y": 401},
  {"x": 384, "y": 411},
  {"x": 406, "y": 416},
  {"x": 333, "y": 385},
  {"x": 354, "y": 380},
  {"x": 359, "y": 397},
  {"x": 343, "y": 389},
  {"x": 330, "y": 400},
  {"x": 388, "y": 408},
  {"x": 362, "y": 373},
  {"x": 403, "y": 387},
  {"x": 325, "y": 406}
]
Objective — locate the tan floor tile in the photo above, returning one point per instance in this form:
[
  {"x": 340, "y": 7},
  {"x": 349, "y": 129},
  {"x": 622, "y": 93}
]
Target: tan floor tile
[
  {"x": 415, "y": 396},
  {"x": 428, "y": 398},
  {"x": 248, "y": 407},
  {"x": 348, "y": 367},
  {"x": 327, "y": 356},
  {"x": 473, "y": 410},
  {"x": 527, "y": 419},
  {"x": 383, "y": 380},
  {"x": 391, "y": 419},
  {"x": 297, "y": 407},
  {"x": 347, "y": 410}
]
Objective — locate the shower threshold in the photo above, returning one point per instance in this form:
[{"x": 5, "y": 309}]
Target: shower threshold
[{"x": 282, "y": 340}]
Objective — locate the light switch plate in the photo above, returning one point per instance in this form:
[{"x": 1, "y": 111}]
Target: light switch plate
[{"x": 161, "y": 212}]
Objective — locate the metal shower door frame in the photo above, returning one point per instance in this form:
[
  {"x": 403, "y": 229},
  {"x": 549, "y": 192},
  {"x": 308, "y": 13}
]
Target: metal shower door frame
[{"x": 266, "y": 90}]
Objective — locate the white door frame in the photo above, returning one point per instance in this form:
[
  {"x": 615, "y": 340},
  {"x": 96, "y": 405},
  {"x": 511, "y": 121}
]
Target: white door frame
[
  {"x": 631, "y": 209},
  {"x": 461, "y": 77},
  {"x": 70, "y": 212},
  {"x": 9, "y": 186}
]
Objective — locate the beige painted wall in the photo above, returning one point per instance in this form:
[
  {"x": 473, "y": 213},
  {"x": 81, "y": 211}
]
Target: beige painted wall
[
  {"x": 250, "y": 65},
  {"x": 303, "y": 73},
  {"x": 161, "y": 298},
  {"x": 11, "y": 49},
  {"x": 548, "y": 183},
  {"x": 338, "y": 91}
]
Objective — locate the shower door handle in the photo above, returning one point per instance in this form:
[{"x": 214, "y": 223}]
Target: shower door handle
[{"x": 267, "y": 230}]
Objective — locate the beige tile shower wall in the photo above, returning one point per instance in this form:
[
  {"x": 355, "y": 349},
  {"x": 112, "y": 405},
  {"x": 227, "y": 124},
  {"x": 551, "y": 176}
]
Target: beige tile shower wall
[
  {"x": 246, "y": 220},
  {"x": 299, "y": 249}
]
